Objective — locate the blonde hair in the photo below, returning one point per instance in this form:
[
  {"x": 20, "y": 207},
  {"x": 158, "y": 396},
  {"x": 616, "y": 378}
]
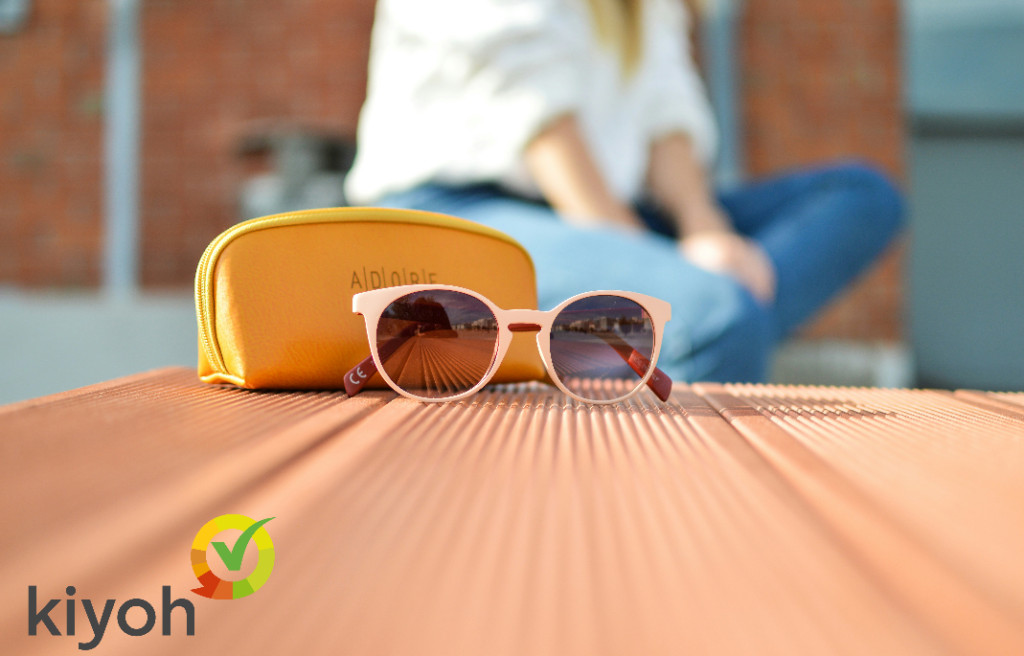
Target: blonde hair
[{"x": 619, "y": 25}]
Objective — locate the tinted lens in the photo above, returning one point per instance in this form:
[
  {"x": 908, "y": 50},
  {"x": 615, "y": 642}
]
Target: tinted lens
[
  {"x": 435, "y": 344},
  {"x": 601, "y": 346}
]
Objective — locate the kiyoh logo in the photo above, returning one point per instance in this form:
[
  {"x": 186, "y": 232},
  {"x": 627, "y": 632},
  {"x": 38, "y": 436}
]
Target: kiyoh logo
[
  {"x": 99, "y": 616},
  {"x": 232, "y": 572}
]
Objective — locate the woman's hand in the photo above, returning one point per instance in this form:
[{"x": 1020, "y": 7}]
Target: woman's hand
[
  {"x": 708, "y": 240},
  {"x": 733, "y": 255}
]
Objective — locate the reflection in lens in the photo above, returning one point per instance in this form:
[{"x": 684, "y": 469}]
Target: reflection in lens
[
  {"x": 608, "y": 338},
  {"x": 437, "y": 343}
]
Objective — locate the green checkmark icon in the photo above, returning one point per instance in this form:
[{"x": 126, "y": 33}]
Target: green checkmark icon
[{"x": 233, "y": 557}]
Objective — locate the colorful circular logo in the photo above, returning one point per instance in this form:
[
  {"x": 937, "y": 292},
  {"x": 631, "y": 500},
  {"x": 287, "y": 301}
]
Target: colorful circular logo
[{"x": 232, "y": 557}]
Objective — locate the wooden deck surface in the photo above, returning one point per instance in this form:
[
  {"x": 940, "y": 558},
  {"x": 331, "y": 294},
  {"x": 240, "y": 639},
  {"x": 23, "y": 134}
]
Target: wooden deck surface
[{"x": 733, "y": 520}]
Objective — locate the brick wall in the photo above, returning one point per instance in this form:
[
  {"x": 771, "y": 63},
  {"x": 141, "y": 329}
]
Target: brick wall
[
  {"x": 51, "y": 90},
  {"x": 820, "y": 80},
  {"x": 216, "y": 72}
]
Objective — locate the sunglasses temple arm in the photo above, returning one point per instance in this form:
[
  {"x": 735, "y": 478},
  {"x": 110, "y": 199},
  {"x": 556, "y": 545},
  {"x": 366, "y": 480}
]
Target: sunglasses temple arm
[
  {"x": 659, "y": 381},
  {"x": 359, "y": 375}
]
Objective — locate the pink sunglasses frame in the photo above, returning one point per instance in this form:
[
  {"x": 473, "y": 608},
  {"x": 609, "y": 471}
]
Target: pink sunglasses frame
[{"x": 372, "y": 304}]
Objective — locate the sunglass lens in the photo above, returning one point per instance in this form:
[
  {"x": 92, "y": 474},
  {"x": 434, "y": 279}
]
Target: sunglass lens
[
  {"x": 437, "y": 344},
  {"x": 601, "y": 346}
]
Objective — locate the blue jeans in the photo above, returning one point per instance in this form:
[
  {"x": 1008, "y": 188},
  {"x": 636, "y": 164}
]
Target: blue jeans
[{"x": 821, "y": 228}]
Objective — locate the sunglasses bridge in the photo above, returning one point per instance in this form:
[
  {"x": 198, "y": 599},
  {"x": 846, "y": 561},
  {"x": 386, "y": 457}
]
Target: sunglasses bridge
[{"x": 523, "y": 321}]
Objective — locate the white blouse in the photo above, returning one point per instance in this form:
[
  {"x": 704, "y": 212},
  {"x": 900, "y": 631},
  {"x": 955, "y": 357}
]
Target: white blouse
[{"x": 458, "y": 88}]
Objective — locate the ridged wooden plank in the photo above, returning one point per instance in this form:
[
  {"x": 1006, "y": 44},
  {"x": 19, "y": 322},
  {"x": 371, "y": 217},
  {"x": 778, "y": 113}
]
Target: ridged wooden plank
[
  {"x": 91, "y": 479},
  {"x": 1013, "y": 397},
  {"x": 1012, "y": 400},
  {"x": 923, "y": 486},
  {"x": 519, "y": 521}
]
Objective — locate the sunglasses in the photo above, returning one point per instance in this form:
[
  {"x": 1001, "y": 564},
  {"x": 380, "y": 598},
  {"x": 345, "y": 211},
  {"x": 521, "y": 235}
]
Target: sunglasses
[{"x": 443, "y": 343}]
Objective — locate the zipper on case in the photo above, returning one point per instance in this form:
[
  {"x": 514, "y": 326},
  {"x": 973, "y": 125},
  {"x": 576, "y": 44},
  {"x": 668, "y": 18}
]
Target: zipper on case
[{"x": 204, "y": 274}]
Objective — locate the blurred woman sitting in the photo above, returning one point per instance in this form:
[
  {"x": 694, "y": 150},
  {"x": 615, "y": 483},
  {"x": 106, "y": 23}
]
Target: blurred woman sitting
[{"x": 582, "y": 129}]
